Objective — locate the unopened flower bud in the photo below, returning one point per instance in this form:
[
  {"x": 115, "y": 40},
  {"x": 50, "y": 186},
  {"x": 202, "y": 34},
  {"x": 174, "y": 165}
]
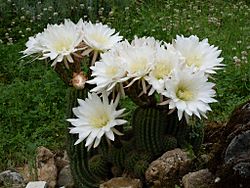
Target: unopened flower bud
[{"x": 79, "y": 80}]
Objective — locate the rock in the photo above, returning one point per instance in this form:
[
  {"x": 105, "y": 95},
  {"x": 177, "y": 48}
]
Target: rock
[
  {"x": 65, "y": 178},
  {"x": 11, "y": 178},
  {"x": 202, "y": 179},
  {"x": 235, "y": 169},
  {"x": 231, "y": 159},
  {"x": 238, "y": 149},
  {"x": 61, "y": 161},
  {"x": 166, "y": 170},
  {"x": 240, "y": 116},
  {"x": 37, "y": 184},
  {"x": 121, "y": 182},
  {"x": 243, "y": 169},
  {"x": 46, "y": 166}
]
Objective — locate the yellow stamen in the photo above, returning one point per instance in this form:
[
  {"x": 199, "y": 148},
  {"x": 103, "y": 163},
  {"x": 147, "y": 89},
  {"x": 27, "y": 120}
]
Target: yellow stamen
[
  {"x": 184, "y": 93},
  {"x": 100, "y": 120},
  {"x": 194, "y": 60},
  {"x": 111, "y": 71},
  {"x": 63, "y": 44},
  {"x": 139, "y": 65},
  {"x": 99, "y": 38},
  {"x": 161, "y": 70}
]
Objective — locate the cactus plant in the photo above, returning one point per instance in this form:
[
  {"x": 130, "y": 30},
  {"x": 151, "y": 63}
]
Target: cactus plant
[{"x": 150, "y": 73}]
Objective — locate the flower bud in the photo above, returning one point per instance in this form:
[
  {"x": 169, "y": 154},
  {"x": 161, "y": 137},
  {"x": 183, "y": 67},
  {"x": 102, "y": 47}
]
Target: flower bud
[{"x": 79, "y": 80}]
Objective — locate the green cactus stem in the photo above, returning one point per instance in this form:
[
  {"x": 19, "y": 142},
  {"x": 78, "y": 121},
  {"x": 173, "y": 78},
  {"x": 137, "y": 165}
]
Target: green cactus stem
[
  {"x": 140, "y": 168},
  {"x": 131, "y": 159},
  {"x": 78, "y": 154},
  {"x": 99, "y": 166},
  {"x": 191, "y": 133},
  {"x": 196, "y": 135},
  {"x": 149, "y": 128},
  {"x": 170, "y": 142}
]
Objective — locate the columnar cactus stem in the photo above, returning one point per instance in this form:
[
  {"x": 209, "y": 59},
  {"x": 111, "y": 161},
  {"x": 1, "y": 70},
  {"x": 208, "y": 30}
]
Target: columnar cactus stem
[
  {"x": 99, "y": 166},
  {"x": 149, "y": 126},
  {"x": 78, "y": 154}
]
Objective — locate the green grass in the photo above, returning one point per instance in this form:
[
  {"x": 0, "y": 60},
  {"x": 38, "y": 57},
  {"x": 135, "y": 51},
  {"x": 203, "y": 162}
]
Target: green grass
[
  {"x": 32, "y": 111},
  {"x": 32, "y": 107}
]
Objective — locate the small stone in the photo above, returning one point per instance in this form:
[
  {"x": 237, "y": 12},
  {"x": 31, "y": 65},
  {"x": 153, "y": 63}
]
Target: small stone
[
  {"x": 202, "y": 179},
  {"x": 166, "y": 170},
  {"x": 217, "y": 180},
  {"x": 9, "y": 177},
  {"x": 121, "y": 182},
  {"x": 37, "y": 184},
  {"x": 65, "y": 178}
]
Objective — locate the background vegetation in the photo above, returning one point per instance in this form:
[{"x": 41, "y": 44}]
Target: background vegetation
[{"x": 32, "y": 98}]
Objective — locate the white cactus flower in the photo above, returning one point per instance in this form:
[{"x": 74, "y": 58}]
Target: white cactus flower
[
  {"x": 166, "y": 61},
  {"x": 199, "y": 54},
  {"x": 100, "y": 37},
  {"x": 189, "y": 92},
  {"x": 108, "y": 72},
  {"x": 95, "y": 118},
  {"x": 56, "y": 42}
]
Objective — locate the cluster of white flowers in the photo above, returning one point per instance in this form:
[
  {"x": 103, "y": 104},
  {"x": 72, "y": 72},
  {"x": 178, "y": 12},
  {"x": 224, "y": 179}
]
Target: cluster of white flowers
[
  {"x": 59, "y": 42},
  {"x": 177, "y": 71}
]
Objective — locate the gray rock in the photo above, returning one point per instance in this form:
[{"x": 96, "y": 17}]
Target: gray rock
[
  {"x": 166, "y": 170},
  {"x": 9, "y": 177},
  {"x": 65, "y": 178},
  {"x": 121, "y": 182},
  {"x": 37, "y": 184},
  {"x": 202, "y": 179},
  {"x": 243, "y": 169},
  {"x": 233, "y": 164},
  {"x": 238, "y": 149}
]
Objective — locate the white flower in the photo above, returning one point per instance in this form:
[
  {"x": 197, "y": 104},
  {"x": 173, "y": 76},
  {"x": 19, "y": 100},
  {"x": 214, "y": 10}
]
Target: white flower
[
  {"x": 138, "y": 61},
  {"x": 199, "y": 54},
  {"x": 107, "y": 72},
  {"x": 95, "y": 118},
  {"x": 100, "y": 37},
  {"x": 146, "y": 41},
  {"x": 166, "y": 60},
  {"x": 33, "y": 45},
  {"x": 80, "y": 24},
  {"x": 59, "y": 41},
  {"x": 189, "y": 92}
]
